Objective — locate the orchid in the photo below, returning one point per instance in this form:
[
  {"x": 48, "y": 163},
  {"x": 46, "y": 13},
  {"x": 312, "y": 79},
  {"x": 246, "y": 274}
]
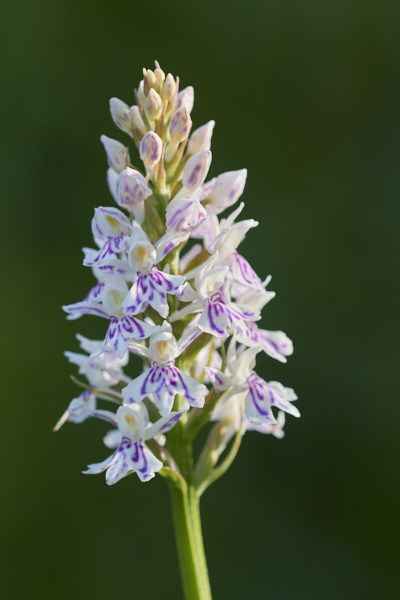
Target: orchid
[
  {"x": 176, "y": 293},
  {"x": 132, "y": 455}
]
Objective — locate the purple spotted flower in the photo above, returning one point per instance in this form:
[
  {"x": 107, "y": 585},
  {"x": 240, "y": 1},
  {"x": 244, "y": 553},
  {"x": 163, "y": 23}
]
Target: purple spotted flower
[
  {"x": 219, "y": 315},
  {"x": 132, "y": 455},
  {"x": 183, "y": 217},
  {"x": 82, "y": 408},
  {"x": 123, "y": 327},
  {"x": 152, "y": 289},
  {"x": 224, "y": 191},
  {"x": 163, "y": 381},
  {"x": 111, "y": 230},
  {"x": 274, "y": 343},
  {"x": 259, "y": 396},
  {"x": 104, "y": 370},
  {"x": 151, "y": 286},
  {"x": 162, "y": 384}
]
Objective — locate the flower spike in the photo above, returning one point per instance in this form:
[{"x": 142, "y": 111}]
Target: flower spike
[{"x": 175, "y": 292}]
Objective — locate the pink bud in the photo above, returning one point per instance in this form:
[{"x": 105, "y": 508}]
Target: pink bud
[
  {"x": 121, "y": 115},
  {"x": 196, "y": 169},
  {"x": 200, "y": 139},
  {"x": 137, "y": 120},
  {"x": 132, "y": 188},
  {"x": 180, "y": 125},
  {"x": 150, "y": 148},
  {"x": 186, "y": 99},
  {"x": 117, "y": 153}
]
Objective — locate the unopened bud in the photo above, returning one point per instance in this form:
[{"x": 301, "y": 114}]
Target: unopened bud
[
  {"x": 160, "y": 77},
  {"x": 149, "y": 80},
  {"x": 150, "y": 148},
  {"x": 140, "y": 95},
  {"x": 117, "y": 153},
  {"x": 132, "y": 189},
  {"x": 200, "y": 139},
  {"x": 153, "y": 105},
  {"x": 196, "y": 169},
  {"x": 169, "y": 88},
  {"x": 180, "y": 125},
  {"x": 121, "y": 115},
  {"x": 186, "y": 99},
  {"x": 137, "y": 120}
]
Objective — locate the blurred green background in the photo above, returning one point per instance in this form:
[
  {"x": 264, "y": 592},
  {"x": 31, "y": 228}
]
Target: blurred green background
[{"x": 305, "y": 94}]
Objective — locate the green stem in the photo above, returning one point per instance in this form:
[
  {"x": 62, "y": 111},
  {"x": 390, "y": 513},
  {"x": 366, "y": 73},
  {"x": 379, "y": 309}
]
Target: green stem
[
  {"x": 189, "y": 540},
  {"x": 194, "y": 504},
  {"x": 186, "y": 515}
]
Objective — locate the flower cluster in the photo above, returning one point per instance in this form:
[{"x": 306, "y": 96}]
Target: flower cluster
[{"x": 175, "y": 291}]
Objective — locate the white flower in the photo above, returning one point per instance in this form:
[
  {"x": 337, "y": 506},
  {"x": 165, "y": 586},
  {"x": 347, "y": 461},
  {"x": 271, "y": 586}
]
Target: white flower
[
  {"x": 111, "y": 230},
  {"x": 163, "y": 381},
  {"x": 132, "y": 455},
  {"x": 219, "y": 316},
  {"x": 258, "y": 395},
  {"x": 83, "y": 408},
  {"x": 151, "y": 286},
  {"x": 102, "y": 371},
  {"x": 110, "y": 304},
  {"x": 183, "y": 216}
]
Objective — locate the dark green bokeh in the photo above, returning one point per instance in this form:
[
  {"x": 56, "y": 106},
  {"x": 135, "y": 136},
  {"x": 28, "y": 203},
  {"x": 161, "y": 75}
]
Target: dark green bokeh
[{"x": 305, "y": 95}]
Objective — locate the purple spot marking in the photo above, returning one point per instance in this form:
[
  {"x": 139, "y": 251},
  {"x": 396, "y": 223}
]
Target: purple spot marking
[{"x": 193, "y": 179}]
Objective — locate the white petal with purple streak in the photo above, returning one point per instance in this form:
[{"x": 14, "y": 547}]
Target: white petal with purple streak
[
  {"x": 224, "y": 190},
  {"x": 274, "y": 343},
  {"x": 222, "y": 318},
  {"x": 243, "y": 272},
  {"x": 121, "y": 115},
  {"x": 117, "y": 153},
  {"x": 132, "y": 189},
  {"x": 196, "y": 170},
  {"x": 78, "y": 309},
  {"x": 150, "y": 148},
  {"x": 162, "y": 384},
  {"x": 129, "y": 457},
  {"x": 122, "y": 331},
  {"x": 263, "y": 396},
  {"x": 200, "y": 139},
  {"x": 152, "y": 288}
]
